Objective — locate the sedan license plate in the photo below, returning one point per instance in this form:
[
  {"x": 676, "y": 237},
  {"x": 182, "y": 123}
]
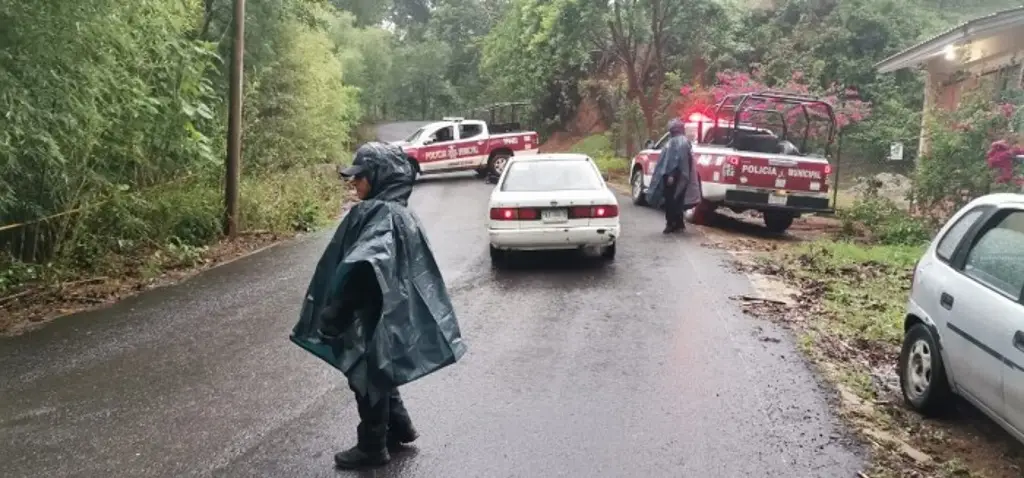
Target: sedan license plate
[
  {"x": 777, "y": 200},
  {"x": 555, "y": 215}
]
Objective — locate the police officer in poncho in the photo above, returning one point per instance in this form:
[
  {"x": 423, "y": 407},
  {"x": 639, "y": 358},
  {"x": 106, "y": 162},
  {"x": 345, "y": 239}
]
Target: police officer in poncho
[
  {"x": 377, "y": 308},
  {"x": 674, "y": 184}
]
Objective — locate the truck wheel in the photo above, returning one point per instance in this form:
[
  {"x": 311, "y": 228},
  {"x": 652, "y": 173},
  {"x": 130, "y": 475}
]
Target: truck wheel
[
  {"x": 701, "y": 214},
  {"x": 415, "y": 169},
  {"x": 636, "y": 183},
  {"x": 497, "y": 164},
  {"x": 777, "y": 221}
]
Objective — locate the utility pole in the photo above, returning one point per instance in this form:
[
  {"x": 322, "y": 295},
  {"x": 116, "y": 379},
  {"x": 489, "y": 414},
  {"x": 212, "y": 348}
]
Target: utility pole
[{"x": 231, "y": 169}]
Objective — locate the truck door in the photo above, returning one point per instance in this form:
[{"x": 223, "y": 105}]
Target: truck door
[
  {"x": 439, "y": 148},
  {"x": 472, "y": 145}
]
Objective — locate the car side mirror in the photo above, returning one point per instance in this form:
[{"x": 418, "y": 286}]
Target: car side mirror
[
  {"x": 648, "y": 144},
  {"x": 605, "y": 176}
]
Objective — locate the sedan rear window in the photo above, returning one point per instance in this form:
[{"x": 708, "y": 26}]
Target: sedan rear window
[{"x": 553, "y": 175}]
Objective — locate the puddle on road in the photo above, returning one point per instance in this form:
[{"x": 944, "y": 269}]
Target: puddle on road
[{"x": 772, "y": 289}]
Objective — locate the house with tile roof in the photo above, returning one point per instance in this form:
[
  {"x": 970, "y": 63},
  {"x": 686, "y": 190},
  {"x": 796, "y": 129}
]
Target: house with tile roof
[{"x": 983, "y": 52}]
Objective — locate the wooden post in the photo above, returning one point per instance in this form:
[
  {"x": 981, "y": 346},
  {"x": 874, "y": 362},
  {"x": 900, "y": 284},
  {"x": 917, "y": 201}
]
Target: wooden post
[{"x": 232, "y": 166}]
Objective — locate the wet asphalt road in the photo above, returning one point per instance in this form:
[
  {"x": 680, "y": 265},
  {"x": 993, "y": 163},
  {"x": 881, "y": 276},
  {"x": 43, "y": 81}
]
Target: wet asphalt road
[{"x": 643, "y": 367}]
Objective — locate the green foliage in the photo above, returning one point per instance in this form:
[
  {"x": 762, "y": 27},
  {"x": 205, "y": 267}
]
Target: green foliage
[
  {"x": 601, "y": 149},
  {"x": 595, "y": 146},
  {"x": 886, "y": 222},
  {"x": 865, "y": 288},
  {"x": 115, "y": 117},
  {"x": 299, "y": 110},
  {"x": 954, "y": 170},
  {"x": 540, "y": 51}
]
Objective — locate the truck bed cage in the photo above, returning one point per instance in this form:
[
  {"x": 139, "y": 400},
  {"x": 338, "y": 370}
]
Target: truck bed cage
[
  {"x": 735, "y": 103},
  {"x": 501, "y": 117}
]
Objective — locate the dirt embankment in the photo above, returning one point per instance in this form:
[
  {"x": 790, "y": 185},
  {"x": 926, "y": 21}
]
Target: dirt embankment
[{"x": 588, "y": 121}]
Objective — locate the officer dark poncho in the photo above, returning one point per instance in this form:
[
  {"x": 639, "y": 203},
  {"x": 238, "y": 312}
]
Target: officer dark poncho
[{"x": 377, "y": 308}]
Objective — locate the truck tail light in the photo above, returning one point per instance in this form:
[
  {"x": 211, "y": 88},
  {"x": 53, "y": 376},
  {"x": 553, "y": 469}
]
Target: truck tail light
[
  {"x": 595, "y": 212},
  {"x": 514, "y": 214}
]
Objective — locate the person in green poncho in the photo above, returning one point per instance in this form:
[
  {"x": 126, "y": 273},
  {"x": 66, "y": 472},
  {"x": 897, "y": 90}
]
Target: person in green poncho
[{"x": 377, "y": 308}]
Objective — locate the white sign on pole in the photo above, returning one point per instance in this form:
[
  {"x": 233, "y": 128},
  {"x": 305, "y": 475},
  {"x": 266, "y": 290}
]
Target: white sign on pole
[{"x": 896, "y": 152}]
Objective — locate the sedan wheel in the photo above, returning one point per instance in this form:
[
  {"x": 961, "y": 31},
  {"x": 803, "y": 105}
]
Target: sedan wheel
[
  {"x": 498, "y": 257},
  {"x": 608, "y": 253},
  {"x": 922, "y": 373}
]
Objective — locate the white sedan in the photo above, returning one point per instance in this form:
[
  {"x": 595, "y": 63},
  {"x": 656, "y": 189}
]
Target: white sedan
[{"x": 552, "y": 202}]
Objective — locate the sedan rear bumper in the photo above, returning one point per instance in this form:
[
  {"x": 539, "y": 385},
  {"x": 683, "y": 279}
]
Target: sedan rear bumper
[{"x": 553, "y": 238}]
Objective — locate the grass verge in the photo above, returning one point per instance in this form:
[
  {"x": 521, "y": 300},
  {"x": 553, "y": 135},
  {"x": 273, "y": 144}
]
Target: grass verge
[
  {"x": 847, "y": 308},
  {"x": 140, "y": 240}
]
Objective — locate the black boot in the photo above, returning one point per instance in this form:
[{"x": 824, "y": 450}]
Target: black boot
[
  {"x": 401, "y": 435},
  {"x": 356, "y": 458}
]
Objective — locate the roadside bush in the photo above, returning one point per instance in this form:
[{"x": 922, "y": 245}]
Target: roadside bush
[
  {"x": 298, "y": 200},
  {"x": 955, "y": 169},
  {"x": 886, "y": 222},
  {"x": 141, "y": 232},
  {"x": 112, "y": 139}
]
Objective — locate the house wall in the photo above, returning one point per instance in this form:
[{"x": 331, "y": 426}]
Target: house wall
[{"x": 993, "y": 60}]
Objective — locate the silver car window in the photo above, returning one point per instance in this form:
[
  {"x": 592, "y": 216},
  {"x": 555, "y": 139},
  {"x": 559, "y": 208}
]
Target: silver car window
[
  {"x": 997, "y": 258},
  {"x": 955, "y": 234}
]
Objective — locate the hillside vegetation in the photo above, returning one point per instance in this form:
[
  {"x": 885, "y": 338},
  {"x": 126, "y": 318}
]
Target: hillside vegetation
[{"x": 114, "y": 111}]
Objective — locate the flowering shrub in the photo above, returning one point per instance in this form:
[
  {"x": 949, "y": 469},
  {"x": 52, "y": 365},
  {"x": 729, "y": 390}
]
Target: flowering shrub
[
  {"x": 1001, "y": 157},
  {"x": 970, "y": 154},
  {"x": 848, "y": 106}
]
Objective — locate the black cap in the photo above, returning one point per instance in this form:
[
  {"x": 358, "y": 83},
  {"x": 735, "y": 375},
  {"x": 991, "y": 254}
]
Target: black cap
[
  {"x": 359, "y": 166},
  {"x": 352, "y": 171}
]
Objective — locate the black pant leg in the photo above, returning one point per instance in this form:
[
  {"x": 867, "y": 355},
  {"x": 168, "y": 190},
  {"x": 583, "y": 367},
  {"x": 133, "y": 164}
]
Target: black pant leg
[
  {"x": 672, "y": 212},
  {"x": 398, "y": 417},
  {"x": 373, "y": 422}
]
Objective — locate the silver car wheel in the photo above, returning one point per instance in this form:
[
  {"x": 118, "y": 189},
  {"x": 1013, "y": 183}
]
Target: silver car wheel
[{"x": 919, "y": 370}]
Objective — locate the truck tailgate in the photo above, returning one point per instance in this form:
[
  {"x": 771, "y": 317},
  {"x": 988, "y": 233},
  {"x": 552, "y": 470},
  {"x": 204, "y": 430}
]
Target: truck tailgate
[{"x": 784, "y": 172}]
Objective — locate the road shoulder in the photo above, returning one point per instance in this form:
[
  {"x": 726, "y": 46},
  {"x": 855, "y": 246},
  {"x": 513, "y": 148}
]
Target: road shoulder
[{"x": 844, "y": 302}]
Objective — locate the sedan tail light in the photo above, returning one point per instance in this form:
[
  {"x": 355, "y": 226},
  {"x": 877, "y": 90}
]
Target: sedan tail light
[
  {"x": 514, "y": 214},
  {"x": 595, "y": 212}
]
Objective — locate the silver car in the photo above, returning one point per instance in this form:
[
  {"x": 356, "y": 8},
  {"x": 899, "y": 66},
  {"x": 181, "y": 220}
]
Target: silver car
[{"x": 965, "y": 318}]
